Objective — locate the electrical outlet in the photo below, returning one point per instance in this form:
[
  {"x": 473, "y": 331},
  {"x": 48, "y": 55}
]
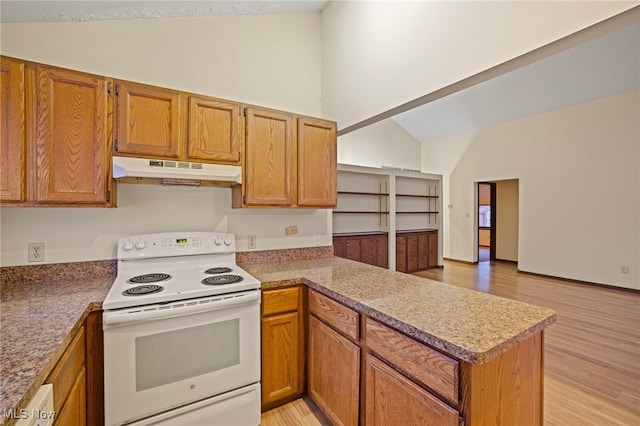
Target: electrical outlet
[
  {"x": 36, "y": 252},
  {"x": 625, "y": 269},
  {"x": 291, "y": 230},
  {"x": 251, "y": 239}
]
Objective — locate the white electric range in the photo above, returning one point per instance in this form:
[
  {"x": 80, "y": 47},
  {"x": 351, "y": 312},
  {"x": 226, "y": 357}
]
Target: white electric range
[{"x": 181, "y": 333}]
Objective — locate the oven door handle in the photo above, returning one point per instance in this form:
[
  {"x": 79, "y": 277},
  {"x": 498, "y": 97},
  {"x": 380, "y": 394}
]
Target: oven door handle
[{"x": 180, "y": 308}]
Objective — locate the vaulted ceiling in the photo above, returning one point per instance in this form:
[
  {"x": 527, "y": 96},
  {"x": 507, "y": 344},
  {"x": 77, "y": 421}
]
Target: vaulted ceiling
[{"x": 603, "y": 67}]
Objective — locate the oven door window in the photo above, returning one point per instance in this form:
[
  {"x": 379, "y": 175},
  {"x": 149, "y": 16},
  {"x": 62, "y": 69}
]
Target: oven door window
[{"x": 176, "y": 355}]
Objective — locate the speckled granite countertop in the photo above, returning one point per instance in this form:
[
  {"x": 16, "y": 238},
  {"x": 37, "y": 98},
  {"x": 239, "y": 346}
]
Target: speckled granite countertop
[
  {"x": 37, "y": 321},
  {"x": 466, "y": 324}
]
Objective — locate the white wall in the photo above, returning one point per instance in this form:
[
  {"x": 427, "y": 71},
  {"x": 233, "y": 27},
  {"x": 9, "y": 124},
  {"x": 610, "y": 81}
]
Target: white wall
[
  {"x": 381, "y": 144},
  {"x": 380, "y": 54},
  {"x": 579, "y": 188},
  {"x": 252, "y": 59}
]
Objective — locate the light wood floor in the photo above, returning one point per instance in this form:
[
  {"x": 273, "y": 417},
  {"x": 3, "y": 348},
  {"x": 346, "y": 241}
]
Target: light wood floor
[{"x": 592, "y": 352}]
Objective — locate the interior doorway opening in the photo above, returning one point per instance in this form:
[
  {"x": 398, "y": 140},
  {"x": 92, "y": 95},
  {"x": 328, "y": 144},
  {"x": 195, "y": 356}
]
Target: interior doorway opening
[
  {"x": 498, "y": 220},
  {"x": 486, "y": 221}
]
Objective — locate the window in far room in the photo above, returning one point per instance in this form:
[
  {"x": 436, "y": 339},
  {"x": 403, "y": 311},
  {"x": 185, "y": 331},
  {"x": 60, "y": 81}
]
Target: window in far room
[{"x": 484, "y": 216}]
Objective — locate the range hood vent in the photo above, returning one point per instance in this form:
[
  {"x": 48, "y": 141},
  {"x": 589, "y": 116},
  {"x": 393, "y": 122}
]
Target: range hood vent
[{"x": 144, "y": 170}]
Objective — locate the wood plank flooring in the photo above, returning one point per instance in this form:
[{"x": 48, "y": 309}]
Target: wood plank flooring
[{"x": 592, "y": 352}]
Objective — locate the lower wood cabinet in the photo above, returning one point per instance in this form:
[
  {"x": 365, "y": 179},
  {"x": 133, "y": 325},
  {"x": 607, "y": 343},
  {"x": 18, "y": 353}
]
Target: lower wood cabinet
[
  {"x": 77, "y": 378},
  {"x": 363, "y": 372},
  {"x": 283, "y": 360},
  {"x": 334, "y": 359},
  {"x": 416, "y": 250},
  {"x": 366, "y": 248},
  {"x": 69, "y": 383}
]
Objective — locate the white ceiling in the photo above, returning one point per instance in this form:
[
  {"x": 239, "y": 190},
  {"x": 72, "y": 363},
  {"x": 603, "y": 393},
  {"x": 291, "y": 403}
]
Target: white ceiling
[
  {"x": 602, "y": 67},
  {"x": 23, "y": 11},
  {"x": 605, "y": 66}
]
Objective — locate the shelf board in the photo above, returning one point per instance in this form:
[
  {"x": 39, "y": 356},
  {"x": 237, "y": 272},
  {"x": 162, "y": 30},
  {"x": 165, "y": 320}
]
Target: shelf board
[
  {"x": 412, "y": 231},
  {"x": 358, "y": 212},
  {"x": 362, "y": 193},
  {"x": 417, "y": 195},
  {"x": 356, "y": 234},
  {"x": 417, "y": 212}
]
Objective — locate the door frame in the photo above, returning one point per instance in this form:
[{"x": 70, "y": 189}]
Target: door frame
[{"x": 492, "y": 229}]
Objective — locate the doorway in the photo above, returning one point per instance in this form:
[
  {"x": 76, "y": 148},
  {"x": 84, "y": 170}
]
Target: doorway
[
  {"x": 497, "y": 220},
  {"x": 486, "y": 221}
]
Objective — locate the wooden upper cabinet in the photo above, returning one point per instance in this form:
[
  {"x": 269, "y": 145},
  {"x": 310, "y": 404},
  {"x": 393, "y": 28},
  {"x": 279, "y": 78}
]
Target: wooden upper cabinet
[
  {"x": 317, "y": 163},
  {"x": 214, "y": 130},
  {"x": 12, "y": 131},
  {"x": 148, "y": 121},
  {"x": 73, "y": 122},
  {"x": 290, "y": 161},
  {"x": 270, "y": 161}
]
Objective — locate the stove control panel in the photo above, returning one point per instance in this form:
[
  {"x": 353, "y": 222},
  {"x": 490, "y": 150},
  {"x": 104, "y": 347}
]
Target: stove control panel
[
  {"x": 175, "y": 244},
  {"x": 181, "y": 242}
]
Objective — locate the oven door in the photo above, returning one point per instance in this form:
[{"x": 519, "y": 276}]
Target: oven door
[{"x": 158, "y": 358}]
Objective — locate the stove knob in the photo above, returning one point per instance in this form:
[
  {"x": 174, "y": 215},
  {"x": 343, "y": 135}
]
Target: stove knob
[
  {"x": 140, "y": 245},
  {"x": 128, "y": 245},
  {"x": 218, "y": 241},
  {"x": 227, "y": 241}
]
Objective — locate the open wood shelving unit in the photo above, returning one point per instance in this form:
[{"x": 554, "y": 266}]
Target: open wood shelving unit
[{"x": 376, "y": 204}]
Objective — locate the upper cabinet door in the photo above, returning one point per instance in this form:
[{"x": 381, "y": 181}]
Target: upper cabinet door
[
  {"x": 73, "y": 122},
  {"x": 270, "y": 158},
  {"x": 148, "y": 121},
  {"x": 317, "y": 163},
  {"x": 12, "y": 131},
  {"x": 214, "y": 131}
]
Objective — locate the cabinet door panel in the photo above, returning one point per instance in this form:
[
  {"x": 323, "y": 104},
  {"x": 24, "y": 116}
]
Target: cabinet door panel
[
  {"x": 423, "y": 251},
  {"x": 334, "y": 373},
  {"x": 74, "y": 410},
  {"x": 433, "y": 249},
  {"x": 370, "y": 250},
  {"x": 392, "y": 399},
  {"x": 12, "y": 131},
  {"x": 353, "y": 249},
  {"x": 73, "y": 119},
  {"x": 412, "y": 252},
  {"x": 280, "y": 357},
  {"x": 214, "y": 130},
  {"x": 382, "y": 252},
  {"x": 338, "y": 247},
  {"x": 317, "y": 163},
  {"x": 270, "y": 159},
  {"x": 148, "y": 121},
  {"x": 401, "y": 253}
]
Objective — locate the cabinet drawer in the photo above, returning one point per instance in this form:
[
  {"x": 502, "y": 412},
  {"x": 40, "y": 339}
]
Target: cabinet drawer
[
  {"x": 425, "y": 365},
  {"x": 67, "y": 369},
  {"x": 343, "y": 319},
  {"x": 280, "y": 300},
  {"x": 392, "y": 399}
]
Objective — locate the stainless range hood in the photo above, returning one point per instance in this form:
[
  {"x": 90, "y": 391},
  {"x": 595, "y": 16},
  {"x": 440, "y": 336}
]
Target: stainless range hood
[{"x": 173, "y": 172}]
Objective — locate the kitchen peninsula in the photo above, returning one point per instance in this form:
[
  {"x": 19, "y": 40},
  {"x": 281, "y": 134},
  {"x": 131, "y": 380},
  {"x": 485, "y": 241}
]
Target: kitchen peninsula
[
  {"x": 483, "y": 349},
  {"x": 436, "y": 353}
]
